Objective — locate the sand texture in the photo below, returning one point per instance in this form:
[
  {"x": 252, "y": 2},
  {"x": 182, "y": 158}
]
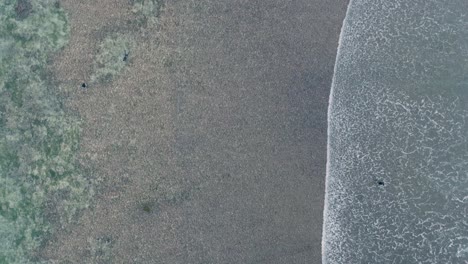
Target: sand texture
[{"x": 208, "y": 144}]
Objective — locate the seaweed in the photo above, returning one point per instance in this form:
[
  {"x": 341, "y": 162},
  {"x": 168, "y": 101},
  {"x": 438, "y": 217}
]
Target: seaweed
[
  {"x": 38, "y": 139},
  {"x": 147, "y": 11},
  {"x": 23, "y": 8},
  {"x": 112, "y": 57},
  {"x": 100, "y": 249}
]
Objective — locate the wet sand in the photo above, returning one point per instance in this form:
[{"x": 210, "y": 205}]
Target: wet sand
[{"x": 210, "y": 147}]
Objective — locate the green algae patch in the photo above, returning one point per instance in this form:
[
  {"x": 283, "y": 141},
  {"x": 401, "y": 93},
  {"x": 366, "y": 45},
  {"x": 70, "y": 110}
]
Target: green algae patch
[
  {"x": 39, "y": 176},
  {"x": 23, "y": 8},
  {"x": 147, "y": 11},
  {"x": 99, "y": 249},
  {"x": 111, "y": 57},
  {"x": 115, "y": 49}
]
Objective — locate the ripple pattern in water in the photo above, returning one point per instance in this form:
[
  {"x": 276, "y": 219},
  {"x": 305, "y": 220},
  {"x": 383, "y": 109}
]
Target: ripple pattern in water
[{"x": 397, "y": 172}]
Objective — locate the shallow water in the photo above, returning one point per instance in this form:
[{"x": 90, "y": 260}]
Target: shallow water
[
  {"x": 398, "y": 142},
  {"x": 40, "y": 182},
  {"x": 164, "y": 131}
]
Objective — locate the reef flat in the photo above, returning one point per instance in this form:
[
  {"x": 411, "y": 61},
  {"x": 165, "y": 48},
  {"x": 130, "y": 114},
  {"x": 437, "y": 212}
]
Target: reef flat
[{"x": 42, "y": 187}]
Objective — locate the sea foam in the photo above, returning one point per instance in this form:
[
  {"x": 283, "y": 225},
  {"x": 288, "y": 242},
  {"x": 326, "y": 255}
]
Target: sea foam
[{"x": 397, "y": 166}]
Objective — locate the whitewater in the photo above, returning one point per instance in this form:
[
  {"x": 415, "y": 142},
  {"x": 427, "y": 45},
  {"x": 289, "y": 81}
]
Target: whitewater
[{"x": 397, "y": 157}]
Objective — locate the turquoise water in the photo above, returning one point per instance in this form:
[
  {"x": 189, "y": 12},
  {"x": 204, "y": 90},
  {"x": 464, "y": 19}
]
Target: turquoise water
[{"x": 397, "y": 174}]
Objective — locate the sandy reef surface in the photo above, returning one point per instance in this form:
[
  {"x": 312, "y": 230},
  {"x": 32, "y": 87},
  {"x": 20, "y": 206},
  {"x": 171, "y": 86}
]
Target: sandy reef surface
[{"x": 207, "y": 143}]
